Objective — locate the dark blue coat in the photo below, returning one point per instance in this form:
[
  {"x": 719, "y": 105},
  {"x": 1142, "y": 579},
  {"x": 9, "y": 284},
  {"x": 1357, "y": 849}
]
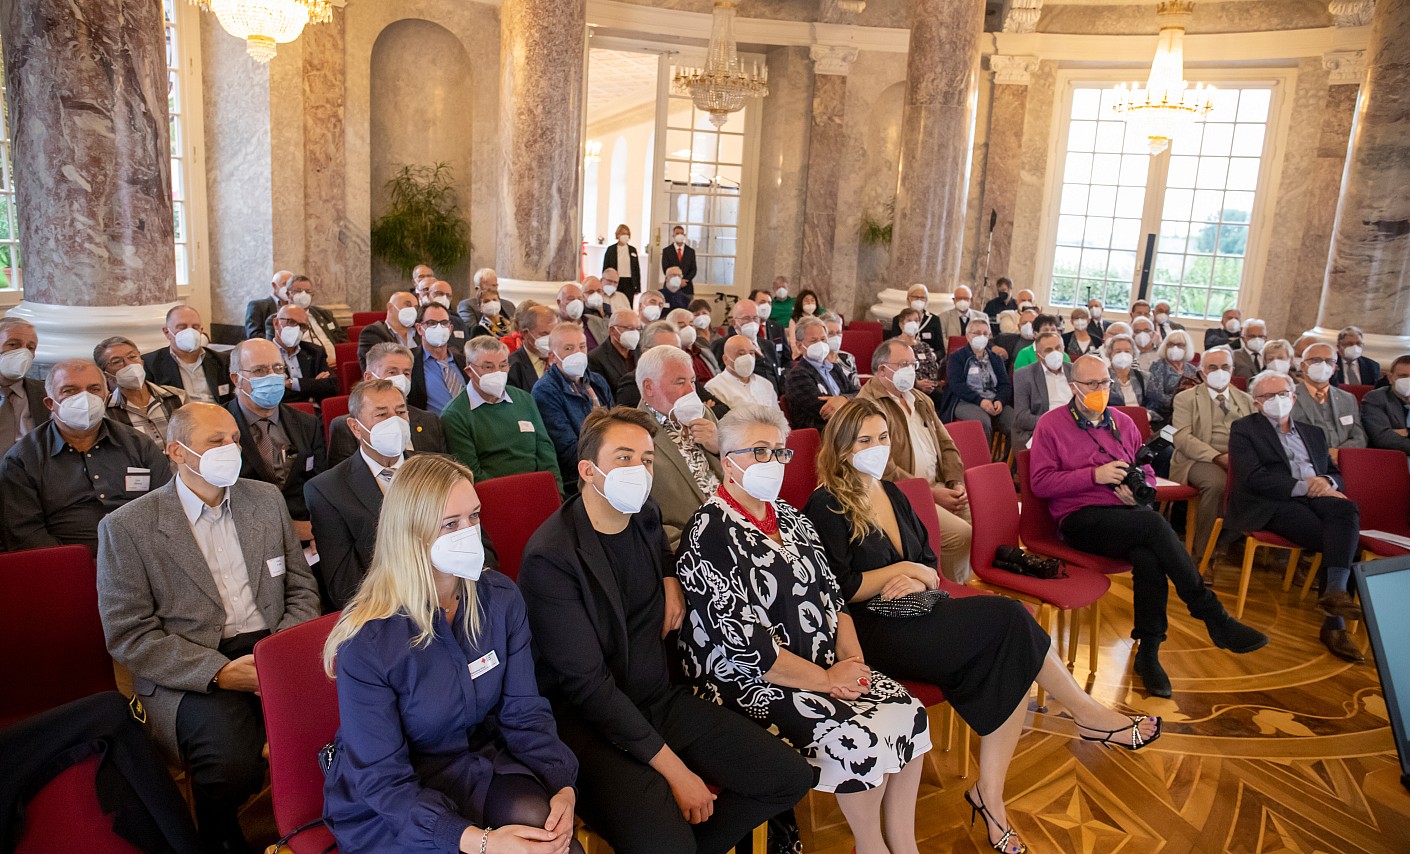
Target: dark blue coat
[
  {"x": 958, "y": 391},
  {"x": 563, "y": 408},
  {"x": 420, "y": 741}
]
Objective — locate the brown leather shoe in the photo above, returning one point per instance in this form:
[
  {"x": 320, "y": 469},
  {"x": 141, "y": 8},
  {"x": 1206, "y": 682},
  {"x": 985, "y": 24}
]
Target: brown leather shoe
[
  {"x": 1339, "y": 603},
  {"x": 1339, "y": 643}
]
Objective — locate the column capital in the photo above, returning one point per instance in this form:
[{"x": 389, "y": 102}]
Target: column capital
[
  {"x": 1013, "y": 70},
  {"x": 1351, "y": 13},
  {"x": 1021, "y": 16},
  {"x": 832, "y": 59},
  {"x": 1345, "y": 66}
]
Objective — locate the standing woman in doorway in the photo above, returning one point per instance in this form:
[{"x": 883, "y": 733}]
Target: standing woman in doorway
[{"x": 621, "y": 256}]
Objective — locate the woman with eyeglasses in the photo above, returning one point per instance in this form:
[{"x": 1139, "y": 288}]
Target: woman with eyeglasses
[
  {"x": 1172, "y": 364},
  {"x": 984, "y": 652},
  {"x": 768, "y": 634}
]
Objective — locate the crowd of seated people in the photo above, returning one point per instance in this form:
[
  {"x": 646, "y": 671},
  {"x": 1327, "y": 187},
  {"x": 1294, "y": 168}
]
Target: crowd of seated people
[{"x": 683, "y": 655}]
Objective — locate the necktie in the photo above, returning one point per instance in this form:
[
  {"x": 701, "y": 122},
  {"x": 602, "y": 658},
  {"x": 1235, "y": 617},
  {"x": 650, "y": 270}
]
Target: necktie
[
  {"x": 385, "y": 477},
  {"x": 454, "y": 384},
  {"x": 1223, "y": 403},
  {"x": 266, "y": 445},
  {"x": 9, "y": 421}
]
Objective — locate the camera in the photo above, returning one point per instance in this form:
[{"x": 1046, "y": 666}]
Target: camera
[{"x": 1135, "y": 478}]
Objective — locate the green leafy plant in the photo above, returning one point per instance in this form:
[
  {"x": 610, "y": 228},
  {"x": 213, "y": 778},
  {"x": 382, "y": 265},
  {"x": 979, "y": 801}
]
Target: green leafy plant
[
  {"x": 423, "y": 223},
  {"x": 876, "y": 228}
]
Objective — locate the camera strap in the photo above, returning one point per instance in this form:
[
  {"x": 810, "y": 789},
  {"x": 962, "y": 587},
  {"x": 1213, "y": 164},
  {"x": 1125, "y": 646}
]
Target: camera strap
[{"x": 1090, "y": 430}]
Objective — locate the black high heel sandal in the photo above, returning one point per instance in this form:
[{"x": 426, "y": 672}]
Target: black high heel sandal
[
  {"x": 1137, "y": 740},
  {"x": 978, "y": 809}
]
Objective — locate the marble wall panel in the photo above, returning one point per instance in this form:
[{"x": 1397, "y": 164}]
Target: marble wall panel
[
  {"x": 782, "y": 174},
  {"x": 825, "y": 165},
  {"x": 1025, "y": 229},
  {"x": 1002, "y": 175},
  {"x": 286, "y": 158},
  {"x": 325, "y": 166},
  {"x": 1244, "y": 16}
]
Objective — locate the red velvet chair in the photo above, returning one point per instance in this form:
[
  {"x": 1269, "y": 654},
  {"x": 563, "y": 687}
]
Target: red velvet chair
[
  {"x": 300, "y": 716},
  {"x": 1379, "y": 482},
  {"x": 867, "y": 325},
  {"x": 305, "y": 407},
  {"x": 861, "y": 343},
  {"x": 512, "y": 508},
  {"x": 917, "y": 491},
  {"x": 367, "y": 318},
  {"x": 1240, "y": 383},
  {"x": 354, "y": 333},
  {"x": 1359, "y": 391},
  {"x": 970, "y": 441},
  {"x": 332, "y": 408},
  {"x": 345, "y": 352},
  {"x": 800, "y": 477},
  {"x": 955, "y": 342},
  {"x": 349, "y": 375},
  {"x": 1039, "y": 529},
  {"x": 1139, "y": 415},
  {"x": 65, "y": 816},
  {"x": 50, "y": 631}
]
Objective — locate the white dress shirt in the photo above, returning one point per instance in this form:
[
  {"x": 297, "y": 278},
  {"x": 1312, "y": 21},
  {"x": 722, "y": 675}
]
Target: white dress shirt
[
  {"x": 1059, "y": 391},
  {"x": 728, "y": 388},
  {"x": 214, "y": 530},
  {"x": 924, "y": 455},
  {"x": 193, "y": 379},
  {"x": 376, "y": 467}
]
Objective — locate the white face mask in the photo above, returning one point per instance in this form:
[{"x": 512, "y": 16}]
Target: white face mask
[
  {"x": 762, "y": 480},
  {"x": 1255, "y": 345},
  {"x": 574, "y": 309},
  {"x": 818, "y": 350},
  {"x": 626, "y": 488},
  {"x": 390, "y": 437},
  {"x": 459, "y": 553},
  {"x": 1026, "y": 330},
  {"x": 575, "y": 365},
  {"x": 401, "y": 381},
  {"x": 1161, "y": 317},
  {"x": 407, "y": 316},
  {"x": 630, "y": 338},
  {"x": 1231, "y": 325},
  {"x": 780, "y": 293},
  {"x": 1175, "y": 354},
  {"x": 541, "y": 346},
  {"x": 1218, "y": 380},
  {"x": 303, "y": 299},
  {"x": 622, "y": 239},
  {"x": 220, "y": 466},
  {"x": 437, "y": 336},
  {"x": 1280, "y": 366},
  {"x": 904, "y": 379},
  {"x": 679, "y": 239},
  {"x": 15, "y": 363},
  {"x": 1053, "y": 360},
  {"x": 290, "y": 336},
  {"x": 810, "y": 308},
  {"x": 594, "y": 300},
  {"x": 673, "y": 284},
  {"x": 493, "y": 383},
  {"x": 1278, "y": 407},
  {"x": 744, "y": 365},
  {"x": 189, "y": 340},
  {"x": 700, "y": 321},
  {"x": 766, "y": 306},
  {"x": 1143, "y": 339},
  {"x": 1353, "y": 352},
  {"x": 490, "y": 309},
  {"x": 834, "y": 343},
  {"x": 688, "y": 407},
  {"x": 687, "y": 336},
  {"x": 1320, "y": 372},
  {"x": 1095, "y": 311},
  {"x": 1080, "y": 325},
  {"x": 441, "y": 300},
  {"x": 750, "y": 330},
  {"x": 1402, "y": 386},
  {"x": 962, "y": 305},
  {"x": 131, "y": 376},
  {"x": 872, "y": 461},
  {"x": 919, "y": 304},
  {"x": 978, "y": 343},
  {"x": 1122, "y": 361},
  {"x": 609, "y": 288},
  {"x": 81, "y": 411},
  {"x": 910, "y": 327},
  {"x": 652, "y": 312}
]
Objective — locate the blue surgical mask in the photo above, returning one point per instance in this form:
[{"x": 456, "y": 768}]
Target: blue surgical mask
[{"x": 266, "y": 392}]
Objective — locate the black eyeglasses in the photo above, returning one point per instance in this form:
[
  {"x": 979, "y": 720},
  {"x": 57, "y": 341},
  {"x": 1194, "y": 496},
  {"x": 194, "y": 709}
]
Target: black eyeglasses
[{"x": 763, "y": 455}]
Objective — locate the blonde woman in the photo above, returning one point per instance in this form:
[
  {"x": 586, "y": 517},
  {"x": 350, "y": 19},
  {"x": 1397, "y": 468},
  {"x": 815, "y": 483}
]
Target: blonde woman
[{"x": 444, "y": 742}]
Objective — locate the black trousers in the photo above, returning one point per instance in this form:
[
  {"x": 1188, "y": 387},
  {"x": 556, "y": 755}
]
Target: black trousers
[
  {"x": 1158, "y": 559},
  {"x": 631, "y": 806},
  {"x": 1331, "y": 526},
  {"x": 221, "y": 737}
]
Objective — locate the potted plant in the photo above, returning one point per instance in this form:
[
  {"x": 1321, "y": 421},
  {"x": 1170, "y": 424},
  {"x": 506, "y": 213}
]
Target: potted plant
[{"x": 422, "y": 223}]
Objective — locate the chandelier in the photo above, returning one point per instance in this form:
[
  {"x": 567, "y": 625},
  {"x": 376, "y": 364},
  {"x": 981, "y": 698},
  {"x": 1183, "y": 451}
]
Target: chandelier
[
  {"x": 265, "y": 23},
  {"x": 721, "y": 87},
  {"x": 1167, "y": 106}
]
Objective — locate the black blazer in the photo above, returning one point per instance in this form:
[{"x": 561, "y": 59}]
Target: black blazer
[
  {"x": 1263, "y": 479},
  {"x": 801, "y": 388},
  {"x": 604, "y": 359},
  {"x": 521, "y": 370},
  {"x": 163, "y": 369},
  {"x": 1216, "y": 337},
  {"x": 629, "y": 282},
  {"x": 373, "y": 334},
  {"x": 417, "y": 396},
  {"x": 317, "y": 314},
  {"x": 1368, "y": 368},
  {"x": 426, "y": 436},
  {"x": 257, "y": 315},
  {"x": 685, "y": 259},
  {"x": 308, "y": 450},
  {"x": 1072, "y": 348},
  {"x": 579, "y": 623},
  {"x": 312, "y": 362}
]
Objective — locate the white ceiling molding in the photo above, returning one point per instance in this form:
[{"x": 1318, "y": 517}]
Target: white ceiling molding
[
  {"x": 1021, "y": 16},
  {"x": 1345, "y": 66},
  {"x": 1013, "y": 70},
  {"x": 1352, "y": 13}
]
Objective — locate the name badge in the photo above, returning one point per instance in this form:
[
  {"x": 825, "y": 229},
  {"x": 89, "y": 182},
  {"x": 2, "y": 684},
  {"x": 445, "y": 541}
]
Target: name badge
[
  {"x": 458, "y": 333},
  {"x": 308, "y": 464},
  {"x": 222, "y": 389},
  {"x": 526, "y": 426},
  {"x": 276, "y": 566},
  {"x": 1346, "y": 420},
  {"x": 484, "y": 664},
  {"x": 974, "y": 369},
  {"x": 138, "y": 479}
]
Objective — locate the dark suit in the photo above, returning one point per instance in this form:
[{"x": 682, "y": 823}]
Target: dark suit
[
  {"x": 1261, "y": 498},
  {"x": 307, "y": 450},
  {"x": 685, "y": 260},
  {"x": 417, "y": 396},
  {"x": 426, "y": 436},
  {"x": 34, "y": 395},
  {"x": 802, "y": 387},
  {"x": 1000, "y": 303},
  {"x": 257, "y": 315},
  {"x": 577, "y": 603},
  {"x": 371, "y": 335},
  {"x": 163, "y": 369},
  {"x": 1030, "y": 400},
  {"x": 521, "y": 370},
  {"x": 1368, "y": 368},
  {"x": 319, "y": 315},
  {"x": 312, "y": 362},
  {"x": 1382, "y": 413},
  {"x": 604, "y": 359},
  {"x": 1248, "y": 364},
  {"x": 470, "y": 313},
  {"x": 1216, "y": 337},
  {"x": 629, "y": 282}
]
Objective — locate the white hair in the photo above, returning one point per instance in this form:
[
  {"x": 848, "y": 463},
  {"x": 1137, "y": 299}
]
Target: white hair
[
  {"x": 480, "y": 274},
  {"x": 731, "y": 428},
  {"x": 1264, "y": 377},
  {"x": 1111, "y": 342},
  {"x": 483, "y": 344},
  {"x": 652, "y": 364},
  {"x": 1165, "y": 344},
  {"x": 1222, "y": 348}
]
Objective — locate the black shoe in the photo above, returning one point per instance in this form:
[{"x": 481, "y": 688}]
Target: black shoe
[
  {"x": 1340, "y": 644},
  {"x": 1228, "y": 633},
  {"x": 1147, "y": 666}
]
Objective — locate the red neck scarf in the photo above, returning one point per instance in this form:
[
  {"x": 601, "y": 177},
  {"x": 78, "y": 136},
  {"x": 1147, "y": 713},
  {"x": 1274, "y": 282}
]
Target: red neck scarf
[{"x": 768, "y": 526}]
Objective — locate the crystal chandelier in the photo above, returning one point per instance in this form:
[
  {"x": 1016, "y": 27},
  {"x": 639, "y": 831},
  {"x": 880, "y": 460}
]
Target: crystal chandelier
[
  {"x": 721, "y": 87},
  {"x": 1167, "y": 106},
  {"x": 265, "y": 23}
]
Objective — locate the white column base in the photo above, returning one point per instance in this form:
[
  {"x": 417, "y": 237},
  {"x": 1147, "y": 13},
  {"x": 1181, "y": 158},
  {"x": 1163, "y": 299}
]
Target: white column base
[
  {"x": 518, "y": 290},
  {"x": 72, "y": 331},
  {"x": 1382, "y": 348},
  {"x": 890, "y": 302}
]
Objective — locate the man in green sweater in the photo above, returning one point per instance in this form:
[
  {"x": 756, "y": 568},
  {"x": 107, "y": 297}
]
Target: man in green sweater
[{"x": 492, "y": 427}]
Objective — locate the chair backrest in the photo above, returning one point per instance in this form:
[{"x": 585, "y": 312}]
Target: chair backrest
[
  {"x": 1359, "y": 391},
  {"x": 512, "y": 508},
  {"x": 349, "y": 374},
  {"x": 1379, "y": 482},
  {"x": 1139, "y": 415},
  {"x": 873, "y": 325},
  {"x": 50, "y": 631},
  {"x": 345, "y": 352},
  {"x": 66, "y": 810},
  {"x": 332, "y": 408},
  {"x": 917, "y": 490},
  {"x": 970, "y": 442},
  {"x": 367, "y": 318},
  {"x": 861, "y": 343},
  {"x": 300, "y": 716},
  {"x": 1037, "y": 524},
  {"x": 304, "y": 407},
  {"x": 1240, "y": 383},
  {"x": 800, "y": 477},
  {"x": 955, "y": 342},
  {"x": 354, "y": 333},
  {"x": 994, "y": 509}
]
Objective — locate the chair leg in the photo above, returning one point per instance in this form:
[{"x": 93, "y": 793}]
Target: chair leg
[
  {"x": 964, "y": 747},
  {"x": 1311, "y": 576},
  {"x": 761, "y": 839},
  {"x": 1288, "y": 573},
  {"x": 947, "y": 727},
  {"x": 1191, "y": 514},
  {"x": 1209, "y": 547},
  {"x": 1046, "y": 620},
  {"x": 1074, "y": 633},
  {"x": 1250, "y": 549},
  {"x": 1094, "y": 621}
]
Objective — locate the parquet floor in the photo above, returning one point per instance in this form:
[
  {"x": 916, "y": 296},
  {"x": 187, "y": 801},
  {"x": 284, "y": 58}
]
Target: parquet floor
[{"x": 1283, "y": 750}]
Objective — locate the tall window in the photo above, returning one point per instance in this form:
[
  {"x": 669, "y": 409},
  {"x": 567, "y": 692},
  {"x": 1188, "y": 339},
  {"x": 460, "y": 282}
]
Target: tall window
[
  {"x": 1197, "y": 198},
  {"x": 704, "y": 172}
]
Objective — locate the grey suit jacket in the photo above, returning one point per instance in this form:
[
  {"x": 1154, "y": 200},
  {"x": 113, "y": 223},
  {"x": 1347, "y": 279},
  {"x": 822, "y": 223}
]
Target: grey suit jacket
[
  {"x": 1194, "y": 415},
  {"x": 597, "y": 326},
  {"x": 673, "y": 487},
  {"x": 1030, "y": 400},
  {"x": 161, "y": 611}
]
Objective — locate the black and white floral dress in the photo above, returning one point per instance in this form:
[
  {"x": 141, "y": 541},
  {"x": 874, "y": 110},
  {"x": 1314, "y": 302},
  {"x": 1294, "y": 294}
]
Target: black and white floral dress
[{"x": 749, "y": 597}]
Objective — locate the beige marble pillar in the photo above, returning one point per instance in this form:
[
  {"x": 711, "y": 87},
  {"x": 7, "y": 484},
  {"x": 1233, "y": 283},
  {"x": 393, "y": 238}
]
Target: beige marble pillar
[
  {"x": 1003, "y": 164},
  {"x": 826, "y": 144},
  {"x": 942, "y": 72},
  {"x": 541, "y": 67},
  {"x": 86, "y": 85},
  {"x": 1368, "y": 269}
]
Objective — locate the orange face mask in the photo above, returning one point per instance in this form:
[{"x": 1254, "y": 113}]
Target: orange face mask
[{"x": 1095, "y": 401}]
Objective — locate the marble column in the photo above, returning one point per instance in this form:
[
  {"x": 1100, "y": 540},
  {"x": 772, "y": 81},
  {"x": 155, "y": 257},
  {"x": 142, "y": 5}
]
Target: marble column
[
  {"x": 942, "y": 72},
  {"x": 1368, "y": 269},
  {"x": 86, "y": 85},
  {"x": 541, "y": 67},
  {"x": 826, "y": 143},
  {"x": 1003, "y": 165}
]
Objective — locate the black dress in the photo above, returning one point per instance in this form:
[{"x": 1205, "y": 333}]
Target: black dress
[{"x": 982, "y": 651}]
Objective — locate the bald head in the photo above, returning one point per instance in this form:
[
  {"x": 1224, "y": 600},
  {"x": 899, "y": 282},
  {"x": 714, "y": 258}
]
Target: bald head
[
  {"x": 252, "y": 353},
  {"x": 1088, "y": 368}
]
